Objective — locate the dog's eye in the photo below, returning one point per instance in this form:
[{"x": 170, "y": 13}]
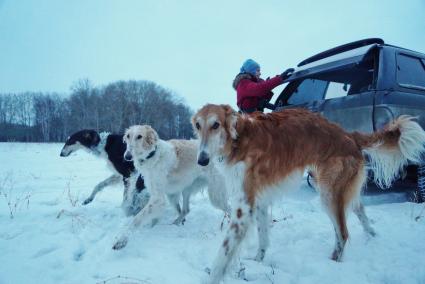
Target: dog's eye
[
  {"x": 128, "y": 136},
  {"x": 139, "y": 136},
  {"x": 198, "y": 126},
  {"x": 215, "y": 125}
]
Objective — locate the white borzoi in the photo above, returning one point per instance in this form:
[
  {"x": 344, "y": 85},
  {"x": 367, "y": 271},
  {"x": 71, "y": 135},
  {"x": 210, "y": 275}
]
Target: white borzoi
[
  {"x": 263, "y": 154},
  {"x": 169, "y": 169}
]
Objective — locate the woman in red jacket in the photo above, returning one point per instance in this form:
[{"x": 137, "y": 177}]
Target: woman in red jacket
[{"x": 252, "y": 91}]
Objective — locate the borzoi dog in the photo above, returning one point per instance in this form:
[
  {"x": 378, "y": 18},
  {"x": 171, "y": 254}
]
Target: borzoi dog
[
  {"x": 266, "y": 153},
  {"x": 169, "y": 169},
  {"x": 111, "y": 148}
]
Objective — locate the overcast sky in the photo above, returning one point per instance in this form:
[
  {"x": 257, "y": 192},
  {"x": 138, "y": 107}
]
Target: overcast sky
[{"x": 194, "y": 48}]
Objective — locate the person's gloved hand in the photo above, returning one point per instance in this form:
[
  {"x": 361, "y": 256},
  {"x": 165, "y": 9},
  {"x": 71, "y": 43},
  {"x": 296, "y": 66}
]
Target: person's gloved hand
[{"x": 287, "y": 73}]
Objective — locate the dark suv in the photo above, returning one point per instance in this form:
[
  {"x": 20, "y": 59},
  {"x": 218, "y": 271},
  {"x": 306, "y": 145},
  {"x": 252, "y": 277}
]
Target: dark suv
[{"x": 361, "y": 86}]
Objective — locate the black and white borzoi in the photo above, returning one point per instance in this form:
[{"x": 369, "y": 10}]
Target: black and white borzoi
[{"x": 111, "y": 148}]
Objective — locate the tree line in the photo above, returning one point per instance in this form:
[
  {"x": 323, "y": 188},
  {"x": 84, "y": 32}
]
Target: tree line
[{"x": 50, "y": 117}]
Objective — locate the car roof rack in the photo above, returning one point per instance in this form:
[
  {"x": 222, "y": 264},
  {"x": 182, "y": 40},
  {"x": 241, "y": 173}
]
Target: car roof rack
[{"x": 340, "y": 49}]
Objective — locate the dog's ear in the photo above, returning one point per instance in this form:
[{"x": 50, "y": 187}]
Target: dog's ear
[
  {"x": 151, "y": 136},
  {"x": 227, "y": 109},
  {"x": 125, "y": 135},
  {"x": 231, "y": 117},
  {"x": 95, "y": 137},
  {"x": 91, "y": 136},
  {"x": 192, "y": 119},
  {"x": 193, "y": 125}
]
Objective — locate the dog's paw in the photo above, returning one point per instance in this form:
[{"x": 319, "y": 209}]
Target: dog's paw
[
  {"x": 336, "y": 256},
  {"x": 372, "y": 233},
  {"x": 212, "y": 276},
  {"x": 260, "y": 255},
  {"x": 129, "y": 211},
  {"x": 154, "y": 222},
  {"x": 179, "y": 221},
  {"x": 136, "y": 210},
  {"x": 87, "y": 201},
  {"x": 206, "y": 278},
  {"x": 122, "y": 242}
]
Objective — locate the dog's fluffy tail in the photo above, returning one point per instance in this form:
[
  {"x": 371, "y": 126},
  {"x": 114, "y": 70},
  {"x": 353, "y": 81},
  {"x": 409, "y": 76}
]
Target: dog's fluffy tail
[{"x": 391, "y": 148}]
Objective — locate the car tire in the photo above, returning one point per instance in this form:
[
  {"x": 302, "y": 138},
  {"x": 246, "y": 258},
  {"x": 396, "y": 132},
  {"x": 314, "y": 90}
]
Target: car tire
[
  {"x": 420, "y": 187},
  {"x": 310, "y": 180}
]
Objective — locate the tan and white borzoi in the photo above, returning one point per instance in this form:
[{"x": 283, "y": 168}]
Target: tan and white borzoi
[
  {"x": 170, "y": 170},
  {"x": 266, "y": 153}
]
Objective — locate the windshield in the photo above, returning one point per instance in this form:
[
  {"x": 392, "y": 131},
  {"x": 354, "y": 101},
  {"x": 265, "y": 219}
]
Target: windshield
[{"x": 308, "y": 90}]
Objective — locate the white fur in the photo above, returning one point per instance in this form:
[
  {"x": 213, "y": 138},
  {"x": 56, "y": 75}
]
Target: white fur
[
  {"x": 387, "y": 164},
  {"x": 167, "y": 173},
  {"x": 234, "y": 176}
]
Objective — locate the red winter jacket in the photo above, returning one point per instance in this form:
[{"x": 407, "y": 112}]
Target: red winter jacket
[{"x": 250, "y": 90}]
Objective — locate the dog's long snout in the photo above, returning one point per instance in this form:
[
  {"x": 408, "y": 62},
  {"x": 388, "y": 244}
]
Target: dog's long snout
[
  {"x": 128, "y": 156},
  {"x": 203, "y": 158},
  {"x": 64, "y": 152}
]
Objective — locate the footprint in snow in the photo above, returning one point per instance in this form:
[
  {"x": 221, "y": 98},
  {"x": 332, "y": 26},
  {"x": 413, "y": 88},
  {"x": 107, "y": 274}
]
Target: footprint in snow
[{"x": 44, "y": 251}]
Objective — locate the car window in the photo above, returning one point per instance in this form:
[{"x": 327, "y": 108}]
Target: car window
[
  {"x": 336, "y": 90},
  {"x": 316, "y": 90},
  {"x": 410, "y": 71},
  {"x": 333, "y": 83},
  {"x": 309, "y": 90}
]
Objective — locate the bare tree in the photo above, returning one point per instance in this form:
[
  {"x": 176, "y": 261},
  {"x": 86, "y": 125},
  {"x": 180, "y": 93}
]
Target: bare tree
[{"x": 114, "y": 107}]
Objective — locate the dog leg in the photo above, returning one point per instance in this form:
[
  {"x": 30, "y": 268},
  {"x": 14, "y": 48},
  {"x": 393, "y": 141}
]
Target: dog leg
[
  {"x": 226, "y": 216},
  {"x": 262, "y": 217},
  {"x": 341, "y": 232},
  {"x": 340, "y": 180},
  {"x": 218, "y": 195},
  {"x": 185, "y": 210},
  {"x": 134, "y": 197},
  {"x": 217, "y": 192},
  {"x": 113, "y": 179},
  {"x": 241, "y": 220},
  {"x": 336, "y": 211},
  {"x": 153, "y": 210},
  {"x": 364, "y": 220},
  {"x": 174, "y": 200},
  {"x": 139, "y": 201},
  {"x": 129, "y": 195},
  {"x": 140, "y": 184}
]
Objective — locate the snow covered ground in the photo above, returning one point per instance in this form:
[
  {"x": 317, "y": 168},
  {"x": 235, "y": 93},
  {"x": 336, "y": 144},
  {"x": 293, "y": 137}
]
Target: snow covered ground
[{"x": 47, "y": 236}]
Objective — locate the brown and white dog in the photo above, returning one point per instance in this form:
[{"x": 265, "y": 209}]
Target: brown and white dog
[
  {"x": 170, "y": 170},
  {"x": 263, "y": 154}
]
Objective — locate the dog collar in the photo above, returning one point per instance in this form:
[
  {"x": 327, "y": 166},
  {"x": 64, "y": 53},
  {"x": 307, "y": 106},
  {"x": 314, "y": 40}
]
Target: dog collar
[{"x": 151, "y": 154}]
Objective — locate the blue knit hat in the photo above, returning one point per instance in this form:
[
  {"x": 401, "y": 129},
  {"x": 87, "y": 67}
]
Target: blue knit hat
[{"x": 250, "y": 66}]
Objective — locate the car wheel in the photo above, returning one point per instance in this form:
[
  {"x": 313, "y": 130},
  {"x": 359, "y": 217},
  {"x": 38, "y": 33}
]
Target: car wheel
[{"x": 310, "y": 180}]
